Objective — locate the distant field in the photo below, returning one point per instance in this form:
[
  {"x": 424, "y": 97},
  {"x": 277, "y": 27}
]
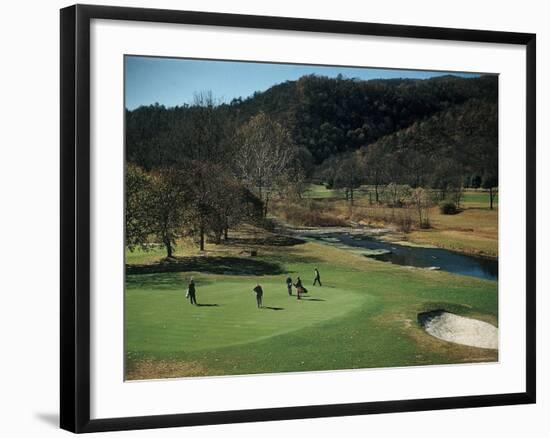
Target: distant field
[
  {"x": 319, "y": 191},
  {"x": 471, "y": 198},
  {"x": 474, "y": 230},
  {"x": 478, "y": 198}
]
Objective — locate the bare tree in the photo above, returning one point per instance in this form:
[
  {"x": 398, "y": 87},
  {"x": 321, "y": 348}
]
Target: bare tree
[
  {"x": 206, "y": 130},
  {"x": 374, "y": 167},
  {"x": 422, "y": 202},
  {"x": 348, "y": 175},
  {"x": 264, "y": 154}
]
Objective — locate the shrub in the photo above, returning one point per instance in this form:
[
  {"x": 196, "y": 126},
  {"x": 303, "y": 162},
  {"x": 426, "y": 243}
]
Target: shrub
[
  {"x": 425, "y": 224},
  {"x": 447, "y": 207},
  {"x": 268, "y": 224},
  {"x": 405, "y": 222}
]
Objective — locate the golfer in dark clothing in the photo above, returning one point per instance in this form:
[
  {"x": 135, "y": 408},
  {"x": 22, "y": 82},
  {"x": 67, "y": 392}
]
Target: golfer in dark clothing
[
  {"x": 289, "y": 285},
  {"x": 317, "y": 277},
  {"x": 259, "y": 294},
  {"x": 191, "y": 292}
]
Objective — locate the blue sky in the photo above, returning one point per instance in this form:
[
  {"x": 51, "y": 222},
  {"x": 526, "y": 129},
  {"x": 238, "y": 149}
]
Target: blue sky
[{"x": 173, "y": 81}]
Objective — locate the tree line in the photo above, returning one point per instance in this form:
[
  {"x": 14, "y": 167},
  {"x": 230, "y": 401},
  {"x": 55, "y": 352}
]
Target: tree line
[
  {"x": 446, "y": 152},
  {"x": 324, "y": 116},
  {"x": 225, "y": 176}
]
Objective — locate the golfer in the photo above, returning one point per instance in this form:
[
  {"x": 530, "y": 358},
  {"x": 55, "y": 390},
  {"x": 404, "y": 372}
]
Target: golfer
[
  {"x": 317, "y": 277},
  {"x": 299, "y": 288},
  {"x": 289, "y": 284},
  {"x": 259, "y": 294},
  {"x": 191, "y": 291}
]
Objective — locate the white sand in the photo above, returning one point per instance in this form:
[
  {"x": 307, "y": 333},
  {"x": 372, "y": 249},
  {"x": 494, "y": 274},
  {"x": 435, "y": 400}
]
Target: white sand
[{"x": 461, "y": 330}]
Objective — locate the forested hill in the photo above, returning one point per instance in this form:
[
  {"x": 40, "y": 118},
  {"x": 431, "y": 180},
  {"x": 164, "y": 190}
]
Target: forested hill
[{"x": 325, "y": 116}]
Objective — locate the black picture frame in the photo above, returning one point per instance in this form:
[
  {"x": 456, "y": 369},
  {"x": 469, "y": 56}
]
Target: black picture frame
[{"x": 75, "y": 217}]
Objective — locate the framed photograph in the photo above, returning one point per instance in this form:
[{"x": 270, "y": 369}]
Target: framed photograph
[{"x": 268, "y": 218}]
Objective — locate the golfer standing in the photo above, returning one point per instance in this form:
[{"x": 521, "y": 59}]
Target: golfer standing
[
  {"x": 289, "y": 284},
  {"x": 259, "y": 295},
  {"x": 317, "y": 277},
  {"x": 191, "y": 292}
]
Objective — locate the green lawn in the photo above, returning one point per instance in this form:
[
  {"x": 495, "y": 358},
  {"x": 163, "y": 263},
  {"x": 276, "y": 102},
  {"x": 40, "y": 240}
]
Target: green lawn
[
  {"x": 472, "y": 198},
  {"x": 365, "y": 315},
  {"x": 227, "y": 314},
  {"x": 478, "y": 199},
  {"x": 319, "y": 191}
]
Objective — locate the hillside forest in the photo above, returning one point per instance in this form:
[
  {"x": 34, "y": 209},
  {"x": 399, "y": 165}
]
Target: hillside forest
[{"x": 406, "y": 145}]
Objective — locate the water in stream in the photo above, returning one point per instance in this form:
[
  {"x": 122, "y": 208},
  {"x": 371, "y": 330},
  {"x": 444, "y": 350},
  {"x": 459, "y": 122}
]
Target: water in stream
[{"x": 419, "y": 257}]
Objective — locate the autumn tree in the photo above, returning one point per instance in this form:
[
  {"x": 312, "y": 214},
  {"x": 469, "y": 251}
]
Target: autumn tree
[
  {"x": 204, "y": 191},
  {"x": 139, "y": 205},
  {"x": 170, "y": 197}
]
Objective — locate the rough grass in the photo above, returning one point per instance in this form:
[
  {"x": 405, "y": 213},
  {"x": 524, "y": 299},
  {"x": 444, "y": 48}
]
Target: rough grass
[
  {"x": 309, "y": 213},
  {"x": 365, "y": 315},
  {"x": 473, "y": 231}
]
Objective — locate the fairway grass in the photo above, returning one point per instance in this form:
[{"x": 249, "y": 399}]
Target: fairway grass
[{"x": 364, "y": 315}]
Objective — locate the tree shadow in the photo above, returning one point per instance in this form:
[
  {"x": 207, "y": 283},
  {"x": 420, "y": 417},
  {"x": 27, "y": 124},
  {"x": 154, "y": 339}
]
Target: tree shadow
[
  {"x": 273, "y": 308},
  {"x": 157, "y": 282},
  {"x": 210, "y": 265},
  {"x": 275, "y": 240}
]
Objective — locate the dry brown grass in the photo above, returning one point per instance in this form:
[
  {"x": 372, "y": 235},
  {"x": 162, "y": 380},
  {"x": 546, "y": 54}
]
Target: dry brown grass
[
  {"x": 147, "y": 369},
  {"x": 310, "y": 213},
  {"x": 472, "y": 231}
]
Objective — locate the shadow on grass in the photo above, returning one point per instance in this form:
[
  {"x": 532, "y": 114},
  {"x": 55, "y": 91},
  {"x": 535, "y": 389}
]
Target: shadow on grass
[
  {"x": 207, "y": 305},
  {"x": 276, "y": 240},
  {"x": 313, "y": 299},
  {"x": 210, "y": 265},
  {"x": 273, "y": 308},
  {"x": 158, "y": 282}
]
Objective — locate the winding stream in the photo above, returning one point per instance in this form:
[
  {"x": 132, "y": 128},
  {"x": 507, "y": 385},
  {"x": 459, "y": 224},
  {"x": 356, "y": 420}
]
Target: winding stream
[{"x": 434, "y": 258}]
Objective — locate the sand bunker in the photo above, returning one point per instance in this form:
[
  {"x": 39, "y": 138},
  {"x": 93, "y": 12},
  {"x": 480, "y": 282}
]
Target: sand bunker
[{"x": 459, "y": 329}]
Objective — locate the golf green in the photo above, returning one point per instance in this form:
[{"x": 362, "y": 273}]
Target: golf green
[{"x": 227, "y": 314}]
